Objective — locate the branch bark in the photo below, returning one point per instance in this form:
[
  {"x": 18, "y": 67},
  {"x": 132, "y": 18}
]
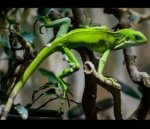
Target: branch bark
[
  {"x": 143, "y": 80},
  {"x": 113, "y": 88}
]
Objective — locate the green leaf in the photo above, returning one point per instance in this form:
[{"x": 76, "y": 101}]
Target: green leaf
[
  {"x": 28, "y": 37},
  {"x": 50, "y": 75},
  {"x": 22, "y": 111},
  {"x": 129, "y": 90}
]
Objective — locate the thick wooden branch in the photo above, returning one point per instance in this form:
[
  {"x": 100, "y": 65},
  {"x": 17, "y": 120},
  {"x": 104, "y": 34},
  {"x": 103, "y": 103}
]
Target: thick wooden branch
[
  {"x": 143, "y": 80},
  {"x": 140, "y": 78},
  {"x": 113, "y": 88},
  {"x": 89, "y": 95},
  {"x": 90, "y": 90}
]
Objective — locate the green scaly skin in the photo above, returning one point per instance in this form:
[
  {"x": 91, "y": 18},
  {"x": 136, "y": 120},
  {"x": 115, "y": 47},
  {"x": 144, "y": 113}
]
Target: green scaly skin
[{"x": 98, "y": 39}]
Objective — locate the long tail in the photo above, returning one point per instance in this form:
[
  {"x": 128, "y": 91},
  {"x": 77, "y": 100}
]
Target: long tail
[{"x": 44, "y": 53}]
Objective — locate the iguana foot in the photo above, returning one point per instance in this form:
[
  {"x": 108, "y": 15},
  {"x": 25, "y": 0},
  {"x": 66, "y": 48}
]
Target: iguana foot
[
  {"x": 110, "y": 79},
  {"x": 64, "y": 85}
]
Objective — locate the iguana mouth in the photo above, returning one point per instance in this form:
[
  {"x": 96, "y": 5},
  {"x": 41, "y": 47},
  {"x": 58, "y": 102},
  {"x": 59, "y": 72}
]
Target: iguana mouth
[
  {"x": 133, "y": 43},
  {"x": 129, "y": 43}
]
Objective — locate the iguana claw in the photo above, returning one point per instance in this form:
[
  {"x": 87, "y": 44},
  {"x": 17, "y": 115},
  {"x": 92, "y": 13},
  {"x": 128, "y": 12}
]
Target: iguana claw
[
  {"x": 63, "y": 85},
  {"x": 112, "y": 80}
]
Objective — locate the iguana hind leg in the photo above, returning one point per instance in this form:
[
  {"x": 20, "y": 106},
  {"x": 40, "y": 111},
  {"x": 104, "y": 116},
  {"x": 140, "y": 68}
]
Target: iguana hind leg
[
  {"x": 74, "y": 66},
  {"x": 64, "y": 24}
]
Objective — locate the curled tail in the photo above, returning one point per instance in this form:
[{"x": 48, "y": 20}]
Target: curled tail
[{"x": 44, "y": 53}]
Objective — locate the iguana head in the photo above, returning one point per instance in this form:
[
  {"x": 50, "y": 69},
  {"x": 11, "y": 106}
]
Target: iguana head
[{"x": 128, "y": 38}]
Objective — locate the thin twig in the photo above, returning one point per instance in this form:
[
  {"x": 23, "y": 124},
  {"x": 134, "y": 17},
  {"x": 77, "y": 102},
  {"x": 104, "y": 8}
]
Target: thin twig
[
  {"x": 36, "y": 99},
  {"x": 58, "y": 97},
  {"x": 73, "y": 101},
  {"x": 43, "y": 105}
]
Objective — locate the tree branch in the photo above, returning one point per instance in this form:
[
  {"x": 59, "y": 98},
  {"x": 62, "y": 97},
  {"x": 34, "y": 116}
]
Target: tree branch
[
  {"x": 140, "y": 78},
  {"x": 89, "y": 95},
  {"x": 143, "y": 80},
  {"x": 113, "y": 88}
]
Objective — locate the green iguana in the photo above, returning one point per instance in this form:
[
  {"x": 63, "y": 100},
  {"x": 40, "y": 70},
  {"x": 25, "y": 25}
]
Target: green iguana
[{"x": 98, "y": 39}]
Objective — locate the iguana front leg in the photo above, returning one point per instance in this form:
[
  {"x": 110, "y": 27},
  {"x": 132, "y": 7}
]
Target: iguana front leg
[
  {"x": 74, "y": 66},
  {"x": 101, "y": 66}
]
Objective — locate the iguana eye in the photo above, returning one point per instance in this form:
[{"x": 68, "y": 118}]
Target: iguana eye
[
  {"x": 127, "y": 38},
  {"x": 136, "y": 37}
]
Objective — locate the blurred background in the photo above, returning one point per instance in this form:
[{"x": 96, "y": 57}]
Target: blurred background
[{"x": 115, "y": 68}]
